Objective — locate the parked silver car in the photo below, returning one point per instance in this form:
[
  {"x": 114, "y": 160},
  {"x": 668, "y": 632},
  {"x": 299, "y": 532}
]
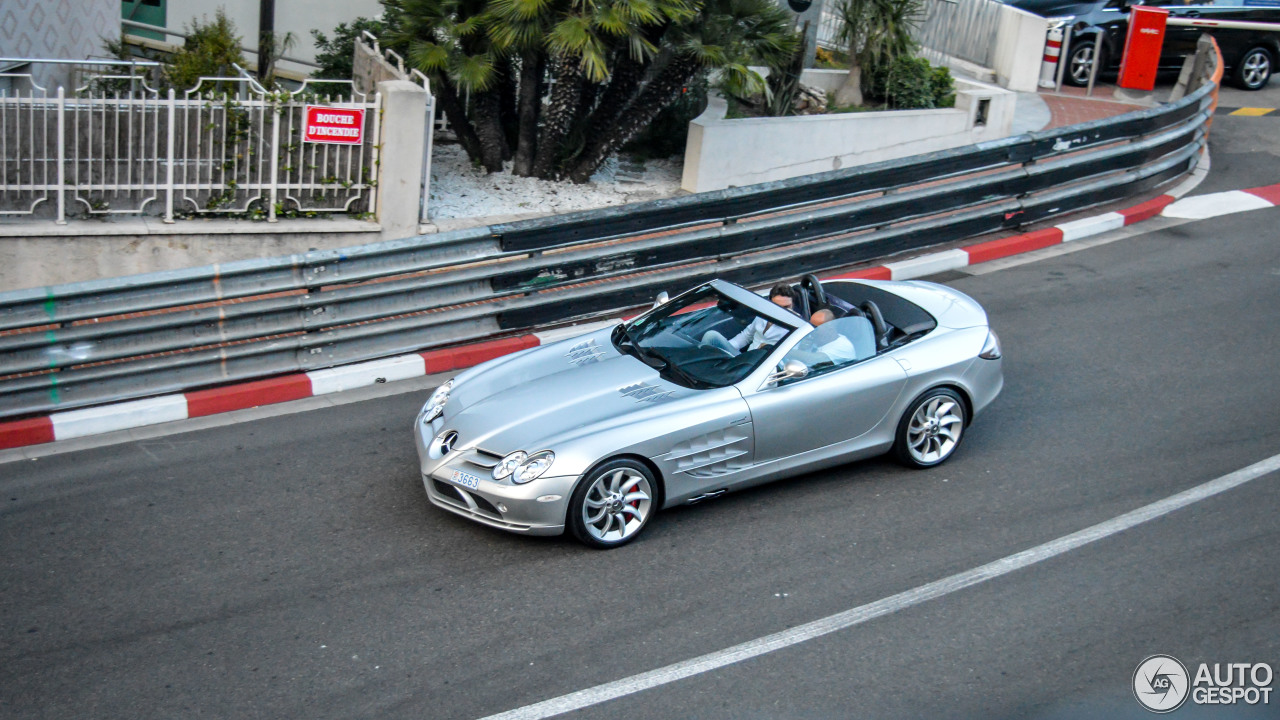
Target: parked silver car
[{"x": 688, "y": 401}]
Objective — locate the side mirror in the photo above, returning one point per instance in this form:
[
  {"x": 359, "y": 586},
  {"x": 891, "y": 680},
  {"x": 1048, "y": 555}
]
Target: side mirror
[
  {"x": 661, "y": 299},
  {"x": 790, "y": 369}
]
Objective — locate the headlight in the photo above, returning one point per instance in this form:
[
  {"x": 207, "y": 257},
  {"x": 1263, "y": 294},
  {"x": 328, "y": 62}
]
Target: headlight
[
  {"x": 991, "y": 348},
  {"x": 508, "y": 464},
  {"x": 534, "y": 467},
  {"x": 435, "y": 406},
  {"x": 1061, "y": 20}
]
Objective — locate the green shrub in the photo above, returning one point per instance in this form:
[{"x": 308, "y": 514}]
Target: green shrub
[
  {"x": 334, "y": 54},
  {"x": 209, "y": 51},
  {"x": 910, "y": 83}
]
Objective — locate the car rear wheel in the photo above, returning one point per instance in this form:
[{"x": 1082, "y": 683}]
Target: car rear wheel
[
  {"x": 1253, "y": 72},
  {"x": 612, "y": 505},
  {"x": 1081, "y": 62},
  {"x": 931, "y": 429}
]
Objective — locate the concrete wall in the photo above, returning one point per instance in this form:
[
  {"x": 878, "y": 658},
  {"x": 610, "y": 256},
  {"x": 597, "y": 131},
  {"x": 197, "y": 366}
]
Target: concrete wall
[
  {"x": 369, "y": 68},
  {"x": 724, "y": 153},
  {"x": 39, "y": 254},
  {"x": 1019, "y": 49},
  {"x": 404, "y": 126}
]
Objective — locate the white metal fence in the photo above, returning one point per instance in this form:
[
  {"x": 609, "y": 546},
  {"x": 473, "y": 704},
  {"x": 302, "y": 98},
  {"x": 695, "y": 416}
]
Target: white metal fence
[
  {"x": 226, "y": 146},
  {"x": 964, "y": 29}
]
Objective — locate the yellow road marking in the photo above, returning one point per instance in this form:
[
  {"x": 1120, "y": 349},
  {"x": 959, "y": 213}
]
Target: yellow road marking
[{"x": 1253, "y": 112}]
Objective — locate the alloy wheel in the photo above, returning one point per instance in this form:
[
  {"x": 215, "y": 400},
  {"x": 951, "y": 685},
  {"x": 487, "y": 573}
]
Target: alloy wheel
[
  {"x": 1256, "y": 69},
  {"x": 935, "y": 429},
  {"x": 617, "y": 505},
  {"x": 1081, "y": 64}
]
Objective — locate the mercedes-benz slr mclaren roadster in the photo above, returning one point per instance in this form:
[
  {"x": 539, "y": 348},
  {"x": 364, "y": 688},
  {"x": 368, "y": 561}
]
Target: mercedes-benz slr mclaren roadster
[{"x": 715, "y": 390}]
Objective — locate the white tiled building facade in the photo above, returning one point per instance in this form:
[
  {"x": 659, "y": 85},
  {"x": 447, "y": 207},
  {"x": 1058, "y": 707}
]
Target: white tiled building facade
[{"x": 72, "y": 29}]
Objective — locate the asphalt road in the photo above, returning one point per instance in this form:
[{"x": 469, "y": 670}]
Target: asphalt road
[{"x": 292, "y": 566}]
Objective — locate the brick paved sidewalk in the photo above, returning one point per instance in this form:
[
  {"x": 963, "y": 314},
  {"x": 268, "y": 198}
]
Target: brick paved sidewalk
[{"x": 1071, "y": 105}]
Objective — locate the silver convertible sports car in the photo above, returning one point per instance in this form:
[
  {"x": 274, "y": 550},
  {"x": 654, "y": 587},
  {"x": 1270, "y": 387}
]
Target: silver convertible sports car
[{"x": 715, "y": 390}]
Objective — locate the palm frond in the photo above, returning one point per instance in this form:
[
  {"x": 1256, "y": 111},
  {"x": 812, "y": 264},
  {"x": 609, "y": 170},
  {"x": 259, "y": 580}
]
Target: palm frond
[
  {"x": 428, "y": 56},
  {"x": 473, "y": 73}
]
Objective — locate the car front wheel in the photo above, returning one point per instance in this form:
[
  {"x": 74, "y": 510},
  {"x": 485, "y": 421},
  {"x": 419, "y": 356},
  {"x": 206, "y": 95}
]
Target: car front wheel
[
  {"x": 1254, "y": 70},
  {"x": 612, "y": 505},
  {"x": 931, "y": 429}
]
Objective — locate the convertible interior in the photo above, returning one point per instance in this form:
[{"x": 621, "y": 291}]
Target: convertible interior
[{"x": 893, "y": 320}]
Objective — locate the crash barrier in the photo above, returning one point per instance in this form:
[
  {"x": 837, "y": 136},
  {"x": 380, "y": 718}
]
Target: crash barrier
[{"x": 88, "y": 343}]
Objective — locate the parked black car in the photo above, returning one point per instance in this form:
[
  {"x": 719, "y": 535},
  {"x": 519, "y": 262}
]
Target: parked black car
[{"x": 1249, "y": 55}]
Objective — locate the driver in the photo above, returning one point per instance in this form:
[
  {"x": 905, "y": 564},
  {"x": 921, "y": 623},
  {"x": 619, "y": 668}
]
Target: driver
[{"x": 761, "y": 331}]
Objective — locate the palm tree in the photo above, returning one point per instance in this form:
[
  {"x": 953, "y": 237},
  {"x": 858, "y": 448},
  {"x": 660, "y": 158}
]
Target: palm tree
[
  {"x": 613, "y": 65},
  {"x": 725, "y": 36},
  {"x": 874, "y": 31},
  {"x": 446, "y": 40}
]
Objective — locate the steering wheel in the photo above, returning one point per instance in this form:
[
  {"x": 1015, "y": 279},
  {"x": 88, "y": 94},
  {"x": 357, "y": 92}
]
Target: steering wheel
[{"x": 814, "y": 286}]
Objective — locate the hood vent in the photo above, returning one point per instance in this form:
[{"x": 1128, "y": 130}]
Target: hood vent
[
  {"x": 584, "y": 353},
  {"x": 643, "y": 392}
]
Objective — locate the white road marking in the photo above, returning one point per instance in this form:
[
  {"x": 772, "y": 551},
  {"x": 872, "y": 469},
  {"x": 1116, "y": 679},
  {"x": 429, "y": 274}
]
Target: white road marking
[
  {"x": 1201, "y": 207},
  {"x": 886, "y": 606}
]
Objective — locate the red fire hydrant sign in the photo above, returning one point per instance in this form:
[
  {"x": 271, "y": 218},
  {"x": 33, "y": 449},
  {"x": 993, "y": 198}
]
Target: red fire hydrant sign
[{"x": 334, "y": 126}]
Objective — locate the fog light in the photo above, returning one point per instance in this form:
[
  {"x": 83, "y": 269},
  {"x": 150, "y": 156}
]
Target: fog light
[{"x": 502, "y": 508}]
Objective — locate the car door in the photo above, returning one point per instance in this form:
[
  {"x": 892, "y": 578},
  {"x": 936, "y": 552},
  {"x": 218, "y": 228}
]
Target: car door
[
  {"x": 1113, "y": 18},
  {"x": 835, "y": 403},
  {"x": 1180, "y": 40}
]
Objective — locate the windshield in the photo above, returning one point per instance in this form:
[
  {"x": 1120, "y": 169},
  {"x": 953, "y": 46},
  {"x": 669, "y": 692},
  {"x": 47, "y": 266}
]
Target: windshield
[{"x": 703, "y": 339}]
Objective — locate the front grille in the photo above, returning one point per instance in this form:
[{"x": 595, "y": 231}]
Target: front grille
[
  {"x": 470, "y": 501},
  {"x": 449, "y": 491},
  {"x": 484, "y": 504}
]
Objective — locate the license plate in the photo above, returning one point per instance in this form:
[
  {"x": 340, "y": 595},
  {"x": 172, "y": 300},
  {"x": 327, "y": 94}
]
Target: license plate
[{"x": 466, "y": 480}]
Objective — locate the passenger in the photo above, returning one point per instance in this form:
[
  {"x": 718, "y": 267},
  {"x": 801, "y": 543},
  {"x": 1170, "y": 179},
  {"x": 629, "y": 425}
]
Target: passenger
[
  {"x": 837, "y": 347},
  {"x": 761, "y": 331}
]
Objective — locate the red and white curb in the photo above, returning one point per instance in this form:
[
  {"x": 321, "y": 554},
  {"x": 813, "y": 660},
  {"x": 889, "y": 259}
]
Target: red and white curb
[
  {"x": 151, "y": 411},
  {"x": 198, "y": 403},
  {"x": 1202, "y": 207}
]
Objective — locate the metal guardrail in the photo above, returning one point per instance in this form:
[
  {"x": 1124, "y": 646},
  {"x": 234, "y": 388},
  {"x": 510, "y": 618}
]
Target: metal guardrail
[{"x": 87, "y": 343}]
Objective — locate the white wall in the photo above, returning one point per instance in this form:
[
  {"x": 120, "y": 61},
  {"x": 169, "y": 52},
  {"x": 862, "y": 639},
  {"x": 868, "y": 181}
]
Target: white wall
[
  {"x": 724, "y": 153},
  {"x": 1019, "y": 49},
  {"x": 67, "y": 29},
  {"x": 300, "y": 18}
]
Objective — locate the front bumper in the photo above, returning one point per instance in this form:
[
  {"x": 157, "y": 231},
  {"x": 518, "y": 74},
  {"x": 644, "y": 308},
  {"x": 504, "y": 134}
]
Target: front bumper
[{"x": 502, "y": 505}]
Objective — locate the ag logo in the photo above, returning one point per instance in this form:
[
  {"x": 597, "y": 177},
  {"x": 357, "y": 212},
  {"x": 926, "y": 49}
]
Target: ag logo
[{"x": 1161, "y": 683}]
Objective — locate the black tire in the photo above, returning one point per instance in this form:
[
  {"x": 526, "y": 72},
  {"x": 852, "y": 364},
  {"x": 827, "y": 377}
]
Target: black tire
[
  {"x": 635, "y": 514},
  {"x": 1080, "y": 60},
  {"x": 917, "y": 440},
  {"x": 1253, "y": 71}
]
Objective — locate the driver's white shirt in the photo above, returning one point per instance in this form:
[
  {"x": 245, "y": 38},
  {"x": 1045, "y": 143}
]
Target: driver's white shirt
[{"x": 761, "y": 331}]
